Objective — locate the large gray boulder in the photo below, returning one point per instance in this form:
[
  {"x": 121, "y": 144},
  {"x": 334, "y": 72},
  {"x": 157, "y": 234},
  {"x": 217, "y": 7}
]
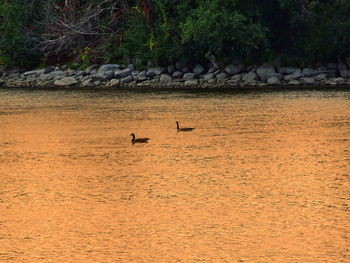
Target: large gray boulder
[
  {"x": 152, "y": 72},
  {"x": 342, "y": 67},
  {"x": 114, "y": 82},
  {"x": 165, "y": 78},
  {"x": 127, "y": 79},
  {"x": 191, "y": 83},
  {"x": 212, "y": 68},
  {"x": 345, "y": 74},
  {"x": 87, "y": 83},
  {"x": 293, "y": 76},
  {"x": 264, "y": 72},
  {"x": 208, "y": 76},
  {"x": 108, "y": 68},
  {"x": 141, "y": 76},
  {"x": 171, "y": 69},
  {"x": 120, "y": 74},
  {"x": 274, "y": 81},
  {"x": 222, "y": 76},
  {"x": 38, "y": 71},
  {"x": 189, "y": 76},
  {"x": 178, "y": 74},
  {"x": 288, "y": 70},
  {"x": 67, "y": 81},
  {"x": 308, "y": 72},
  {"x": 198, "y": 69},
  {"x": 321, "y": 77},
  {"x": 250, "y": 77},
  {"x": 294, "y": 83},
  {"x": 233, "y": 69},
  {"x": 307, "y": 81},
  {"x": 91, "y": 68},
  {"x": 57, "y": 73}
]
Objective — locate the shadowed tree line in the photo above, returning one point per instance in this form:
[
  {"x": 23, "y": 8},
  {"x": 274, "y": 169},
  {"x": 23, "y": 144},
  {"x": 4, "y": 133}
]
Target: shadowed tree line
[{"x": 159, "y": 32}]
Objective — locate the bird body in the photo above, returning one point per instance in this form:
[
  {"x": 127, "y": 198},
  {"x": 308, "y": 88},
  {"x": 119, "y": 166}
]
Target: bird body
[
  {"x": 138, "y": 140},
  {"x": 183, "y": 129}
]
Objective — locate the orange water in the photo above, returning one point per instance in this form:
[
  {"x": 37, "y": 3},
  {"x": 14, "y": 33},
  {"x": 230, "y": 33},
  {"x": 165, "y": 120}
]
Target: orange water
[{"x": 264, "y": 177}]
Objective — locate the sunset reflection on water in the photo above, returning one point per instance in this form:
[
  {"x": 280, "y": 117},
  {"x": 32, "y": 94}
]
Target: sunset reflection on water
[{"x": 264, "y": 177}]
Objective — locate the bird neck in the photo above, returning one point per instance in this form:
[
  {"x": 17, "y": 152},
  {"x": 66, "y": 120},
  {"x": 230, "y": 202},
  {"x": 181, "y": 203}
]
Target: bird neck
[
  {"x": 133, "y": 137},
  {"x": 177, "y": 125}
]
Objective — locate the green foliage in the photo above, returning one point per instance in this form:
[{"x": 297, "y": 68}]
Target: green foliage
[
  {"x": 219, "y": 28},
  {"x": 328, "y": 31},
  {"x": 16, "y": 39},
  {"x": 301, "y": 32}
]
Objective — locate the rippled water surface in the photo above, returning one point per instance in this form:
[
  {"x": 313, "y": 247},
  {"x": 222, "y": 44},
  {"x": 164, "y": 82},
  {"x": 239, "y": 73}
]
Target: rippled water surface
[{"x": 264, "y": 177}]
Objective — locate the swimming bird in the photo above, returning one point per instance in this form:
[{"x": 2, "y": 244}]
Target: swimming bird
[
  {"x": 138, "y": 140},
  {"x": 183, "y": 129}
]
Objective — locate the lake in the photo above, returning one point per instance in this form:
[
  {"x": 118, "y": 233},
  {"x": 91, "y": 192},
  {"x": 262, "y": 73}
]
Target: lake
[{"x": 263, "y": 177}]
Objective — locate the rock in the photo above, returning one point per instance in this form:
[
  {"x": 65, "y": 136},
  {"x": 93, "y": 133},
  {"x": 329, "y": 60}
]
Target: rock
[
  {"x": 131, "y": 66},
  {"x": 233, "y": 69},
  {"x": 91, "y": 68},
  {"x": 208, "y": 76},
  {"x": 277, "y": 75},
  {"x": 211, "y": 81},
  {"x": 342, "y": 67},
  {"x": 120, "y": 74},
  {"x": 152, "y": 72},
  {"x": 307, "y": 72},
  {"x": 66, "y": 81},
  {"x": 141, "y": 76},
  {"x": 114, "y": 82},
  {"x": 191, "y": 83},
  {"x": 329, "y": 73},
  {"x": 56, "y": 73},
  {"x": 307, "y": 81},
  {"x": 212, "y": 68},
  {"x": 293, "y": 76},
  {"x": 273, "y": 81},
  {"x": 178, "y": 75},
  {"x": 97, "y": 83},
  {"x": 171, "y": 69},
  {"x": 217, "y": 72},
  {"x": 339, "y": 80},
  {"x": 250, "y": 78},
  {"x": 108, "y": 75},
  {"x": 288, "y": 70},
  {"x": 108, "y": 68},
  {"x": 165, "y": 78},
  {"x": 189, "y": 76},
  {"x": 236, "y": 78},
  {"x": 264, "y": 72},
  {"x": 95, "y": 77},
  {"x": 127, "y": 79},
  {"x": 87, "y": 83},
  {"x": 186, "y": 69},
  {"x": 198, "y": 70},
  {"x": 37, "y": 72},
  {"x": 294, "y": 83},
  {"x": 180, "y": 65},
  {"x": 222, "y": 76},
  {"x": 320, "y": 77},
  {"x": 345, "y": 74}
]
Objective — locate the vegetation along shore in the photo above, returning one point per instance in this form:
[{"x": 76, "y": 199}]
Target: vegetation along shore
[{"x": 192, "y": 43}]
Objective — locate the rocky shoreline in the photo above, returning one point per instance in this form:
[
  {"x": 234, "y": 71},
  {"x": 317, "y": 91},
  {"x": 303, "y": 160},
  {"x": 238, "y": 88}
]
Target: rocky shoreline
[{"x": 180, "y": 76}]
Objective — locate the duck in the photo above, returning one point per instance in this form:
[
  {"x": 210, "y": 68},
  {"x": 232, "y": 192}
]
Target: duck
[
  {"x": 138, "y": 140},
  {"x": 183, "y": 129}
]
